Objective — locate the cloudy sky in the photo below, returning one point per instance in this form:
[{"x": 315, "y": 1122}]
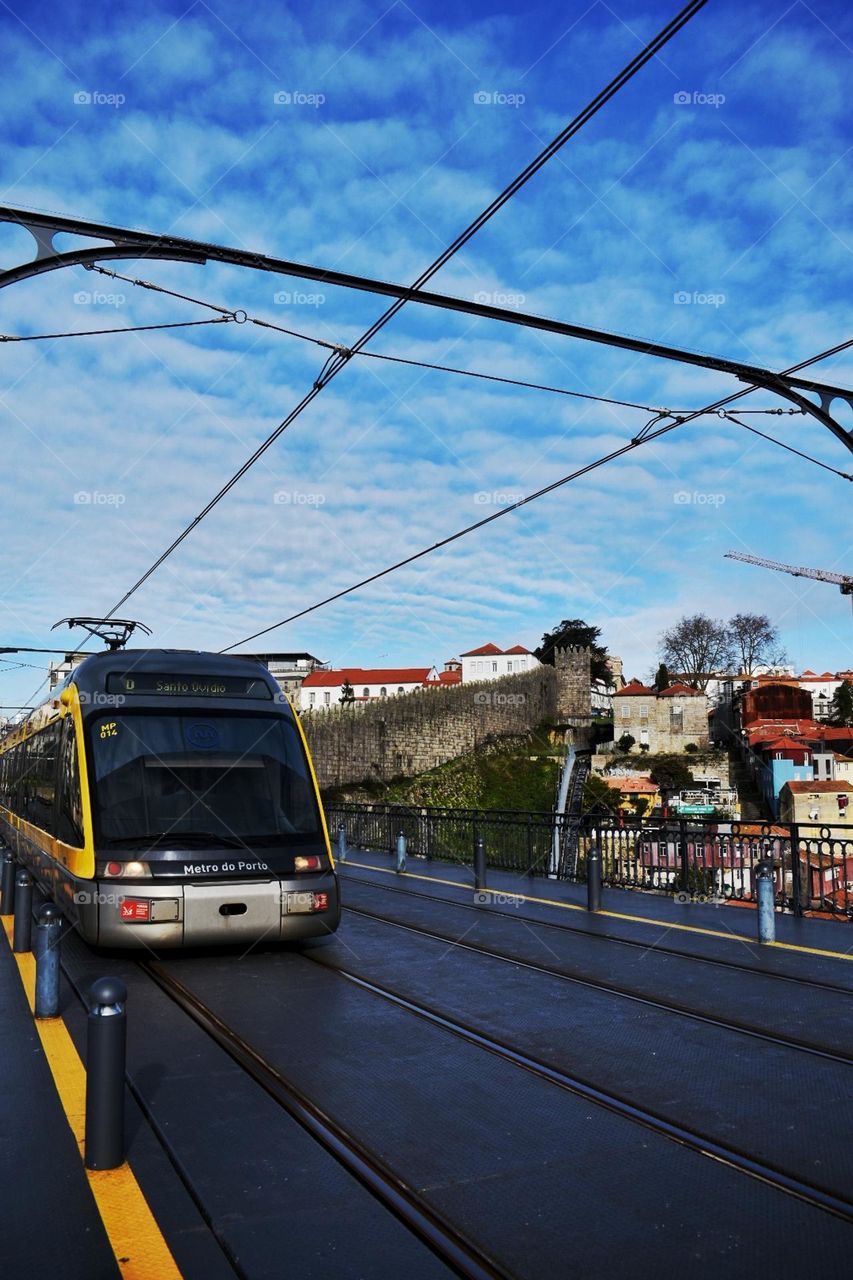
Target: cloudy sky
[{"x": 706, "y": 207}]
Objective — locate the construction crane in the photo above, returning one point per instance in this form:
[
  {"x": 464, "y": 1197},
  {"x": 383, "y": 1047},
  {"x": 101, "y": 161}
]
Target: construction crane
[{"x": 842, "y": 580}]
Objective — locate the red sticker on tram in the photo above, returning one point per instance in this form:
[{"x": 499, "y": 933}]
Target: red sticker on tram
[{"x": 134, "y": 909}]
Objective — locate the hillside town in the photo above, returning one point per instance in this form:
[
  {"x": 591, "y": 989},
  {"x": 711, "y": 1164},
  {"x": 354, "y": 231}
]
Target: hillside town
[{"x": 762, "y": 745}]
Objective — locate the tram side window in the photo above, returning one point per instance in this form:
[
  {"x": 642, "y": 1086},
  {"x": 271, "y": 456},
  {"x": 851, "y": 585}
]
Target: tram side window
[
  {"x": 69, "y": 813},
  {"x": 25, "y": 756},
  {"x": 41, "y": 778},
  {"x": 5, "y": 777}
]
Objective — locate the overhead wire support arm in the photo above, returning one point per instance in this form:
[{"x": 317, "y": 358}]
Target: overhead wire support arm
[{"x": 137, "y": 244}]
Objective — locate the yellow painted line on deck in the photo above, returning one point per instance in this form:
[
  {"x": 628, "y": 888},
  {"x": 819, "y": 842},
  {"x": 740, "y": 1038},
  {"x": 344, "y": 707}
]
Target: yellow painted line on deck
[
  {"x": 612, "y": 915},
  {"x": 136, "y": 1240}
]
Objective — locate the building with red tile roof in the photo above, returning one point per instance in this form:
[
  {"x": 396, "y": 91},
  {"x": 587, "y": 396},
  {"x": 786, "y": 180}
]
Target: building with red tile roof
[
  {"x": 488, "y": 662},
  {"x": 322, "y": 690}
]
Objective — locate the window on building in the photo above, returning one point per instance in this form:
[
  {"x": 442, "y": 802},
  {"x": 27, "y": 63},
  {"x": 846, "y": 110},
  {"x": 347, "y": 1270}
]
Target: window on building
[
  {"x": 383, "y": 692},
  {"x": 327, "y": 698},
  {"x": 676, "y": 719},
  {"x": 311, "y": 699},
  {"x": 399, "y": 688},
  {"x": 365, "y": 693},
  {"x": 644, "y": 711},
  {"x": 494, "y": 666},
  {"x": 626, "y": 711}
]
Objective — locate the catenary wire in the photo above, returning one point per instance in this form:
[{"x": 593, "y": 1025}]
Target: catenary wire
[
  {"x": 338, "y": 360},
  {"x": 843, "y": 475},
  {"x": 94, "y": 333},
  {"x": 418, "y": 364},
  {"x": 645, "y": 438}
]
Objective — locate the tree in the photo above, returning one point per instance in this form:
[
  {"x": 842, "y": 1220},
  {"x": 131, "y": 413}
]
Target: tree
[
  {"x": 662, "y": 679},
  {"x": 347, "y": 693},
  {"x": 696, "y": 647},
  {"x": 598, "y": 797},
  {"x": 626, "y": 742},
  {"x": 841, "y": 713},
  {"x": 576, "y": 631},
  {"x": 755, "y": 642},
  {"x": 671, "y": 774}
]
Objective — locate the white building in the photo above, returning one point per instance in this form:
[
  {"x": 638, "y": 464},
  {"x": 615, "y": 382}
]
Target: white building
[
  {"x": 490, "y": 663},
  {"x": 822, "y": 688},
  {"x": 323, "y": 690},
  {"x": 289, "y": 669}
]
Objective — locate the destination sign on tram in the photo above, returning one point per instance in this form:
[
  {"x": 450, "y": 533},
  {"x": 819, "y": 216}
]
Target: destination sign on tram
[{"x": 150, "y": 684}]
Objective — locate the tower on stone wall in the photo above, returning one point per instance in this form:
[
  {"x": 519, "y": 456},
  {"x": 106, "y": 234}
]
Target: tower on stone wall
[{"x": 574, "y": 685}]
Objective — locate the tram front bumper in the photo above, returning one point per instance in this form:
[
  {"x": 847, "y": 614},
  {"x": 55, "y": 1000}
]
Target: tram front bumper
[{"x": 217, "y": 913}]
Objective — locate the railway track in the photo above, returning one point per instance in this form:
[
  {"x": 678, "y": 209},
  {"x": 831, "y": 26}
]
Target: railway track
[
  {"x": 666, "y": 1006},
  {"x": 462, "y": 1256},
  {"x": 799, "y": 1189},
  {"x": 598, "y": 936}
]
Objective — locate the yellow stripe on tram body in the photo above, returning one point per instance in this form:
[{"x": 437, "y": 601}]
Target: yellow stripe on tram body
[
  {"x": 136, "y": 1240},
  {"x": 613, "y": 915}
]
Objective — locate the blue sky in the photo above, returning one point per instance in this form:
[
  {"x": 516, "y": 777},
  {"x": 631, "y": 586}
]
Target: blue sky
[{"x": 357, "y": 137}]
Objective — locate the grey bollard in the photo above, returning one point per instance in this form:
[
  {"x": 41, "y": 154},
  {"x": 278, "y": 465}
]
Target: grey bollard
[
  {"x": 765, "y": 890},
  {"x": 342, "y": 843},
  {"x": 401, "y": 852},
  {"x": 7, "y": 889},
  {"x": 48, "y": 935},
  {"x": 106, "y": 1042},
  {"x": 479, "y": 864},
  {"x": 593, "y": 879},
  {"x": 23, "y": 911}
]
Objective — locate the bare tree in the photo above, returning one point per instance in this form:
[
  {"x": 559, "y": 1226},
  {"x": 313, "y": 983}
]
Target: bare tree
[
  {"x": 696, "y": 647},
  {"x": 755, "y": 642}
]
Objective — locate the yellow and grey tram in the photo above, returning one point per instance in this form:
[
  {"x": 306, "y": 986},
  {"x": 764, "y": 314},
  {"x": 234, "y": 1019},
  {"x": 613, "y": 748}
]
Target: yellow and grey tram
[{"x": 167, "y": 798}]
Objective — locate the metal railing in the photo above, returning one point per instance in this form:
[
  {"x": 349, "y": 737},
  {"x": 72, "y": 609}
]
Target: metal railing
[
  {"x": 515, "y": 840},
  {"x": 700, "y": 859}
]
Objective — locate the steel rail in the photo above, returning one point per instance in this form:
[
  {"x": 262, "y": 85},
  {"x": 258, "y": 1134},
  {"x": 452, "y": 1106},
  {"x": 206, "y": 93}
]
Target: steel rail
[
  {"x": 612, "y": 988},
  {"x": 810, "y": 1194},
  {"x": 461, "y": 1255},
  {"x": 603, "y": 937}
]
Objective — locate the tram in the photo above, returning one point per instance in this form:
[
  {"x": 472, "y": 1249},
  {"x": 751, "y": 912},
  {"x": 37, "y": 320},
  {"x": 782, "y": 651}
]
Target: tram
[{"x": 165, "y": 798}]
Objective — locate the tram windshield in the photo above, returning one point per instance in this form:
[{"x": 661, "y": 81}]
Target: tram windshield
[{"x": 222, "y": 779}]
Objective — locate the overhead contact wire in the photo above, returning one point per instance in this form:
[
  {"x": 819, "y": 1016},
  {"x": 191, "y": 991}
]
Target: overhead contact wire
[
  {"x": 341, "y": 359},
  {"x": 532, "y": 497}
]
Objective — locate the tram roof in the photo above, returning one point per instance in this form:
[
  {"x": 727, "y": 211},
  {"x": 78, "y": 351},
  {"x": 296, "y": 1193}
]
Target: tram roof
[{"x": 91, "y": 674}]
